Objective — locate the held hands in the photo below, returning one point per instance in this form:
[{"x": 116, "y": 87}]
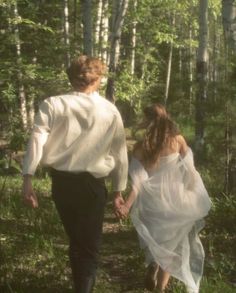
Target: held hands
[
  {"x": 29, "y": 197},
  {"x": 120, "y": 208},
  {"x": 124, "y": 211}
]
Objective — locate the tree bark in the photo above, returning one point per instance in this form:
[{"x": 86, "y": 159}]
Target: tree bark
[
  {"x": 118, "y": 14},
  {"x": 97, "y": 34},
  {"x": 75, "y": 19},
  {"x": 229, "y": 22},
  {"x": 229, "y": 26},
  {"x": 66, "y": 32},
  {"x": 21, "y": 87},
  {"x": 201, "y": 70},
  {"x": 190, "y": 71},
  {"x": 104, "y": 32},
  {"x": 133, "y": 39},
  {"x": 166, "y": 96},
  {"x": 87, "y": 26}
]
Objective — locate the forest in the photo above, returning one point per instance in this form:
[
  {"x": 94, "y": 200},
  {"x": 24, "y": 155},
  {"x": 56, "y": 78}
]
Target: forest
[{"x": 178, "y": 53}]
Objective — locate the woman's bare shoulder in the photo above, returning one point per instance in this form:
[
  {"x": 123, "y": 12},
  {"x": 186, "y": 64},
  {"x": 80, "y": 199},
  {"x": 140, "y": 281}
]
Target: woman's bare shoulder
[
  {"x": 180, "y": 139},
  {"x": 182, "y": 144}
]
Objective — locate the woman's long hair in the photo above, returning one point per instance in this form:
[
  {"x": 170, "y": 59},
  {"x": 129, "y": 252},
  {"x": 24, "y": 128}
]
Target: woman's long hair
[{"x": 160, "y": 131}]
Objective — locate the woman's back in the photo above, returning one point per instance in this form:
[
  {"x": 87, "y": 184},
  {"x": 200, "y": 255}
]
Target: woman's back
[{"x": 174, "y": 145}]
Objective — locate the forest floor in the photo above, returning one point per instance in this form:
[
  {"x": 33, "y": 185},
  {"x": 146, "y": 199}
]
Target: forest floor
[{"x": 33, "y": 250}]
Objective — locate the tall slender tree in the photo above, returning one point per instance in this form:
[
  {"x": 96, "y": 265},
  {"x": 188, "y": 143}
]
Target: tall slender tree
[
  {"x": 87, "y": 26},
  {"x": 118, "y": 14},
  {"x": 229, "y": 26},
  {"x": 98, "y": 28},
  {"x": 201, "y": 74},
  {"x": 229, "y": 22},
  {"x": 104, "y": 31},
  {"x": 169, "y": 63},
  {"x": 21, "y": 86},
  {"x": 134, "y": 38},
  {"x": 66, "y": 32}
]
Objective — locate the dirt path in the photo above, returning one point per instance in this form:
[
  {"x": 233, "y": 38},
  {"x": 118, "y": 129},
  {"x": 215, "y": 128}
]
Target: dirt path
[{"x": 121, "y": 268}]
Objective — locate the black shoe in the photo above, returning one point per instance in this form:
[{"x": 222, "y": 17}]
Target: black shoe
[{"x": 151, "y": 276}]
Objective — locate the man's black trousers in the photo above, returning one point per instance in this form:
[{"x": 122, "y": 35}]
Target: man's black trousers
[{"x": 80, "y": 200}]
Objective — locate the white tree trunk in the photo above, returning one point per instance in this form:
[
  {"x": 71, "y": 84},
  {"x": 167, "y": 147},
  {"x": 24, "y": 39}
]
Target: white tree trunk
[
  {"x": 166, "y": 96},
  {"x": 202, "y": 55},
  {"x": 104, "y": 31},
  {"x": 21, "y": 88},
  {"x": 75, "y": 18},
  {"x": 202, "y": 67},
  {"x": 97, "y": 33},
  {"x": 118, "y": 14},
  {"x": 120, "y": 8},
  {"x": 190, "y": 71},
  {"x": 168, "y": 73},
  {"x": 87, "y": 26},
  {"x": 66, "y": 32},
  {"x": 229, "y": 22},
  {"x": 133, "y": 40},
  {"x": 229, "y": 25}
]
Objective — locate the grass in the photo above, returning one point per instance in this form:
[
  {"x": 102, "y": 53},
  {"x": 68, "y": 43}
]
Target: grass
[{"x": 33, "y": 249}]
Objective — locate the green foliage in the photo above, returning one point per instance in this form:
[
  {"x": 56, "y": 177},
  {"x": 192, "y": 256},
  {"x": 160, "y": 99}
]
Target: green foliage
[
  {"x": 223, "y": 214},
  {"x": 33, "y": 248}
]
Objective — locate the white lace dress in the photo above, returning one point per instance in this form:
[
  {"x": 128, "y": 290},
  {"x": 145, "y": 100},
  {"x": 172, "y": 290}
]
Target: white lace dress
[{"x": 168, "y": 214}]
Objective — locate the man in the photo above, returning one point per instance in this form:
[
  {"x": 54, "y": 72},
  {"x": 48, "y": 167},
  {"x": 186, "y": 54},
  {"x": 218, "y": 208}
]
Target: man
[{"x": 80, "y": 136}]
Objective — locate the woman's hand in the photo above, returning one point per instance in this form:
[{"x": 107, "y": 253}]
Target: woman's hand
[
  {"x": 124, "y": 211},
  {"x": 29, "y": 197},
  {"x": 118, "y": 202}
]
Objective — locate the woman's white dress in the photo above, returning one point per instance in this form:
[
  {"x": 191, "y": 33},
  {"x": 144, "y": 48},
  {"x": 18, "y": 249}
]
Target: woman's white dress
[{"x": 168, "y": 214}]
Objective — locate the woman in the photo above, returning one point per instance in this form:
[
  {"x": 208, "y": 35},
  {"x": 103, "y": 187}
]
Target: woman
[{"x": 168, "y": 202}]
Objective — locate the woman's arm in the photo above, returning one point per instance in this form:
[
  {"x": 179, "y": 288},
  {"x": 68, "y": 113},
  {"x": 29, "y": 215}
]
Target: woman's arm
[
  {"x": 125, "y": 208},
  {"x": 183, "y": 147}
]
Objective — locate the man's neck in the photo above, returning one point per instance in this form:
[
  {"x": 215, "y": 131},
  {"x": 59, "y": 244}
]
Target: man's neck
[{"x": 89, "y": 89}]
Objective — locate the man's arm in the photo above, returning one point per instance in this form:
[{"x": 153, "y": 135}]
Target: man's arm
[
  {"x": 34, "y": 152},
  {"x": 125, "y": 208},
  {"x": 29, "y": 196},
  {"x": 120, "y": 172}
]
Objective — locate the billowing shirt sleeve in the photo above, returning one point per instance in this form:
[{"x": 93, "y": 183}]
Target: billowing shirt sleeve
[
  {"x": 39, "y": 135},
  {"x": 119, "y": 152}
]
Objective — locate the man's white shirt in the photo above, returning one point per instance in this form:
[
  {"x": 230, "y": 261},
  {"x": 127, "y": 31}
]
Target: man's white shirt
[{"x": 79, "y": 132}]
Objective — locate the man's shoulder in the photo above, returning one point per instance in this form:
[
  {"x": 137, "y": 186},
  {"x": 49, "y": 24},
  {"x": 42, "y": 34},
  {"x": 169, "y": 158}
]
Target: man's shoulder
[
  {"x": 59, "y": 98},
  {"x": 108, "y": 104}
]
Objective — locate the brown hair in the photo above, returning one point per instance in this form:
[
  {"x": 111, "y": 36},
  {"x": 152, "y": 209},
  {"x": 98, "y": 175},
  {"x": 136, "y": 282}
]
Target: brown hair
[
  {"x": 84, "y": 71},
  {"x": 160, "y": 131}
]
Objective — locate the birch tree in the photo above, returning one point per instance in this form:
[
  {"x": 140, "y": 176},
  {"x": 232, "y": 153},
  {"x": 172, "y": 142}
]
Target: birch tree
[
  {"x": 229, "y": 26},
  {"x": 101, "y": 30},
  {"x": 119, "y": 9},
  {"x": 97, "y": 32},
  {"x": 104, "y": 31},
  {"x": 133, "y": 39},
  {"x": 21, "y": 87},
  {"x": 169, "y": 64},
  {"x": 201, "y": 72},
  {"x": 190, "y": 70},
  {"x": 66, "y": 32},
  {"x": 229, "y": 22},
  {"x": 87, "y": 27}
]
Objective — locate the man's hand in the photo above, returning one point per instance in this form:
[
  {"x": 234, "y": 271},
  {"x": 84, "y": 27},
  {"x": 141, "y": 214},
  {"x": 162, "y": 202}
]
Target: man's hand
[
  {"x": 118, "y": 202},
  {"x": 29, "y": 197},
  {"x": 124, "y": 211}
]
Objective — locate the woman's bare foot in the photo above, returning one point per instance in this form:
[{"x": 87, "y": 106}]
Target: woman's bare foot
[{"x": 151, "y": 276}]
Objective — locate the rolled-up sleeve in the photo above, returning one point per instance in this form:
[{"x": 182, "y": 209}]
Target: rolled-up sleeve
[
  {"x": 39, "y": 135},
  {"x": 119, "y": 152}
]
